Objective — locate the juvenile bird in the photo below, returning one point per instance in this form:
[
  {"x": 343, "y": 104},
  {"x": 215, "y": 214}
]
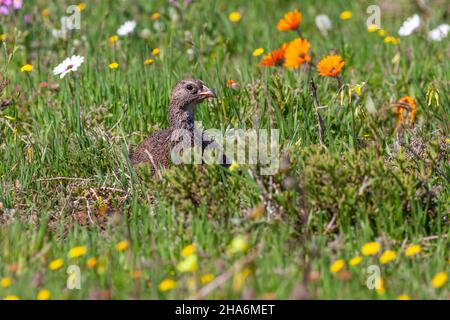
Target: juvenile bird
[{"x": 156, "y": 149}]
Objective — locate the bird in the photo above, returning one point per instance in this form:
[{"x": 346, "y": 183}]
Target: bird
[{"x": 155, "y": 150}]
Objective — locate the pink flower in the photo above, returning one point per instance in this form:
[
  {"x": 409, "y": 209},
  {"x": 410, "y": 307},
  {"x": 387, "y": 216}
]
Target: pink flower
[
  {"x": 7, "y": 5},
  {"x": 17, "y": 4},
  {"x": 4, "y": 10}
]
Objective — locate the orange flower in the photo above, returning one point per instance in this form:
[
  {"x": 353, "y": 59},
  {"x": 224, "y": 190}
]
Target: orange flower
[
  {"x": 274, "y": 58},
  {"x": 232, "y": 84},
  {"x": 330, "y": 66},
  {"x": 297, "y": 53},
  {"x": 291, "y": 21},
  {"x": 409, "y": 102}
]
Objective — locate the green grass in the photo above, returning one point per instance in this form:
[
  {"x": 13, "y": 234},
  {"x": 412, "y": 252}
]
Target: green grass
[{"x": 371, "y": 181}]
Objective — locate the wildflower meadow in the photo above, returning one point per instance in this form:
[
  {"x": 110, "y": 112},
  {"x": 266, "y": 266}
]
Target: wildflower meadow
[{"x": 357, "y": 206}]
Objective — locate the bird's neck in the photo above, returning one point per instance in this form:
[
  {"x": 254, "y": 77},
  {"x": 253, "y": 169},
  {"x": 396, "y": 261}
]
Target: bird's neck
[{"x": 181, "y": 118}]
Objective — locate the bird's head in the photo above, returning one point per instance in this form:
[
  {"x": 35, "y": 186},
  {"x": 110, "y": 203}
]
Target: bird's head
[{"x": 189, "y": 92}]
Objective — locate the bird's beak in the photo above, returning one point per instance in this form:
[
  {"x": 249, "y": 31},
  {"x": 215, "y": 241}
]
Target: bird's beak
[{"x": 207, "y": 93}]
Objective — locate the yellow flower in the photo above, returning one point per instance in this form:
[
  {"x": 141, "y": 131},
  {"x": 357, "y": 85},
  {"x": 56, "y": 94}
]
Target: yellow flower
[
  {"x": 372, "y": 28},
  {"x": 56, "y": 264},
  {"x": 403, "y": 297},
  {"x": 91, "y": 262},
  {"x": 5, "y": 282},
  {"x": 155, "y": 16},
  {"x": 113, "y": 39},
  {"x": 412, "y": 250},
  {"x": 387, "y": 256},
  {"x": 382, "y": 33},
  {"x": 167, "y": 284},
  {"x": 26, "y": 68},
  {"x": 355, "y": 261},
  {"x": 258, "y": 52},
  {"x": 206, "y": 278},
  {"x": 113, "y": 65},
  {"x": 379, "y": 286},
  {"x": 148, "y": 62},
  {"x": 234, "y": 166},
  {"x": 43, "y": 294},
  {"x": 370, "y": 248},
  {"x": 392, "y": 40},
  {"x": 11, "y": 297},
  {"x": 76, "y": 252},
  {"x": 239, "y": 278},
  {"x": 238, "y": 244},
  {"x": 337, "y": 266},
  {"x": 345, "y": 15},
  {"x": 45, "y": 13},
  {"x": 234, "y": 16},
  {"x": 3, "y": 37},
  {"x": 122, "y": 245},
  {"x": 81, "y": 6},
  {"x": 439, "y": 279},
  {"x": 189, "y": 264},
  {"x": 188, "y": 250},
  {"x": 155, "y": 52},
  {"x": 101, "y": 268}
]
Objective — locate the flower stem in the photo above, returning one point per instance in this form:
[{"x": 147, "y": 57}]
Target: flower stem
[
  {"x": 320, "y": 123},
  {"x": 339, "y": 81}
]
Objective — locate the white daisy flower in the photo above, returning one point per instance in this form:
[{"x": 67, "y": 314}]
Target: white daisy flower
[
  {"x": 439, "y": 33},
  {"x": 409, "y": 26},
  {"x": 68, "y": 65},
  {"x": 323, "y": 23},
  {"x": 126, "y": 28}
]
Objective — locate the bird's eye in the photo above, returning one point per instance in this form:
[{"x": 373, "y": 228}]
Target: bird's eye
[{"x": 189, "y": 87}]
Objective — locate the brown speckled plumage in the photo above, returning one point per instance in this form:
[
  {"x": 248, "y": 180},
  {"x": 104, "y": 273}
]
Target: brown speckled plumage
[{"x": 155, "y": 149}]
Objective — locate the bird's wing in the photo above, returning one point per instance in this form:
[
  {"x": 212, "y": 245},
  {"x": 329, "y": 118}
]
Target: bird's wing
[{"x": 209, "y": 144}]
